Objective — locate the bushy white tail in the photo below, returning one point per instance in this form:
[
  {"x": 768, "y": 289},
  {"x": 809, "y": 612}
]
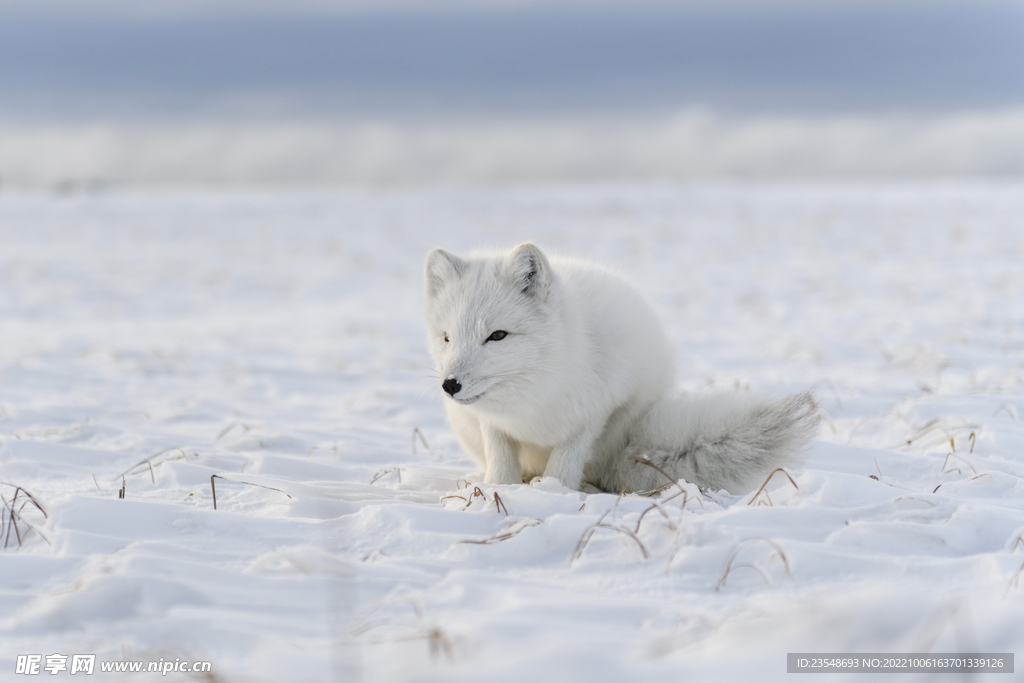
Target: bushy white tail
[{"x": 718, "y": 441}]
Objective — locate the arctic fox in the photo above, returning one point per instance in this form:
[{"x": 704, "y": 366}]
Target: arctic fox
[{"x": 557, "y": 367}]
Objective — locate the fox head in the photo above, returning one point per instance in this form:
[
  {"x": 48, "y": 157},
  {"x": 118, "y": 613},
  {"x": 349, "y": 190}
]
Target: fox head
[{"x": 486, "y": 319}]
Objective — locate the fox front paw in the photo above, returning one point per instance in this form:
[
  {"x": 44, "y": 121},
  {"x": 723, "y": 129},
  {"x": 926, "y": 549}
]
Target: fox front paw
[{"x": 503, "y": 477}]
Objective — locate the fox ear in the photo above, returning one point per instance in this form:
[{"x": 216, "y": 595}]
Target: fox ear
[
  {"x": 529, "y": 270},
  {"x": 440, "y": 268}
]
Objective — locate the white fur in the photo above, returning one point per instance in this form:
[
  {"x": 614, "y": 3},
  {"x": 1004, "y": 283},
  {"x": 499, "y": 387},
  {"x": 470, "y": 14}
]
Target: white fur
[{"x": 580, "y": 385}]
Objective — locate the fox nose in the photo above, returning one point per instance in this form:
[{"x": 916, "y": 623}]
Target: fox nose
[{"x": 452, "y": 386}]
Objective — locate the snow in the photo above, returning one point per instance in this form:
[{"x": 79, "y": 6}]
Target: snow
[
  {"x": 692, "y": 143},
  {"x": 275, "y": 340}
]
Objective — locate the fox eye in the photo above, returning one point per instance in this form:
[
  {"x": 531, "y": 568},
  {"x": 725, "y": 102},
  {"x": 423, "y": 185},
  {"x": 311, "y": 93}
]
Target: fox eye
[
  {"x": 446, "y": 337},
  {"x": 497, "y": 336}
]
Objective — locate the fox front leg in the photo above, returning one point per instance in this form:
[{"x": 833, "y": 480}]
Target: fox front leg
[
  {"x": 500, "y": 453},
  {"x": 568, "y": 459}
]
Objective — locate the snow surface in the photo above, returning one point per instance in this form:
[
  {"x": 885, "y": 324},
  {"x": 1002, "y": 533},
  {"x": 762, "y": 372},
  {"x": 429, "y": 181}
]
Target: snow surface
[
  {"x": 277, "y": 340},
  {"x": 692, "y": 143}
]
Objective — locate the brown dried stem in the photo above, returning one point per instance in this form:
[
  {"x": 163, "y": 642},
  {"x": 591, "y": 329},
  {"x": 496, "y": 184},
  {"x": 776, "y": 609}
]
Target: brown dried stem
[
  {"x": 736, "y": 551},
  {"x": 766, "y": 481},
  {"x": 213, "y": 487}
]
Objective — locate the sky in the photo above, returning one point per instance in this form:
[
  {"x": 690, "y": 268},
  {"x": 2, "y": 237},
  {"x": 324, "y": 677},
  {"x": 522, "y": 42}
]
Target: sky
[
  {"x": 121, "y": 68},
  {"x": 310, "y": 60}
]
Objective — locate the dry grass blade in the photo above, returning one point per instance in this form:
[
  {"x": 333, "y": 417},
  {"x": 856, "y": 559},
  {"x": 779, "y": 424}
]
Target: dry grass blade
[
  {"x": 656, "y": 506},
  {"x": 955, "y": 469},
  {"x": 436, "y": 638},
  {"x": 654, "y": 492},
  {"x": 124, "y": 488},
  {"x": 444, "y": 498},
  {"x": 729, "y": 568},
  {"x": 765, "y": 484},
  {"x": 1018, "y": 542},
  {"x": 508, "y": 532},
  {"x": 18, "y": 490},
  {"x": 147, "y": 462},
  {"x": 828, "y": 420},
  {"x": 934, "y": 425},
  {"x": 416, "y": 432},
  {"x": 12, "y": 517},
  {"x": 589, "y": 532},
  {"x": 612, "y": 527},
  {"x": 1009, "y": 411},
  {"x": 928, "y": 426},
  {"x": 499, "y": 504},
  {"x": 671, "y": 482},
  {"x": 585, "y": 538},
  {"x": 686, "y": 498},
  {"x": 222, "y": 433},
  {"x": 921, "y": 431},
  {"x": 9, "y": 520},
  {"x": 746, "y": 566},
  {"x": 213, "y": 487},
  {"x": 477, "y": 493},
  {"x": 439, "y": 642},
  {"x": 972, "y": 437},
  {"x": 615, "y": 507},
  {"x": 389, "y": 470}
]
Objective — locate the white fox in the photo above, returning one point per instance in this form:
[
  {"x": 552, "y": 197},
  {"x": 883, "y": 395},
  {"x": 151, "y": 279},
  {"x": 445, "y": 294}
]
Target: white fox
[{"x": 559, "y": 368}]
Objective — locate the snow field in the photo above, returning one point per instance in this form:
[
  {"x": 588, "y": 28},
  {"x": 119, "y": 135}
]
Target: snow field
[{"x": 276, "y": 340}]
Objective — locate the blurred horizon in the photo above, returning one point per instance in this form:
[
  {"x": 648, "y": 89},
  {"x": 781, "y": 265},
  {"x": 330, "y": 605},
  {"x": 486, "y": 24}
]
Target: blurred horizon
[{"x": 323, "y": 93}]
